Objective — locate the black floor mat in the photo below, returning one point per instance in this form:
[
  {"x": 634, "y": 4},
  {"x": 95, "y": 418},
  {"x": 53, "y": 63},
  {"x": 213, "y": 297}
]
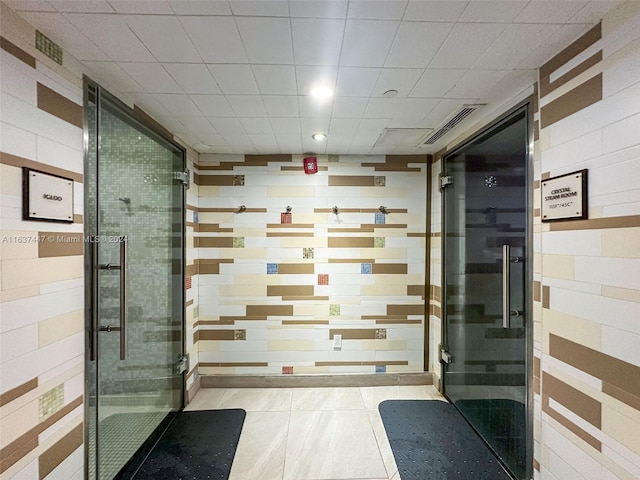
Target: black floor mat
[
  {"x": 432, "y": 441},
  {"x": 196, "y": 446}
]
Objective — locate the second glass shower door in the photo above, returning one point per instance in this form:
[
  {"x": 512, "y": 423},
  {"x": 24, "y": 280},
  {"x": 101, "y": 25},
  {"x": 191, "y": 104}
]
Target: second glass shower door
[{"x": 485, "y": 250}]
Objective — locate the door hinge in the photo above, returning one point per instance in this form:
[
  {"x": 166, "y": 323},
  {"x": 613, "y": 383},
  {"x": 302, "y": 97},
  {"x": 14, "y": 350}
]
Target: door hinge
[
  {"x": 445, "y": 181},
  {"x": 182, "y": 365},
  {"x": 182, "y": 177},
  {"x": 445, "y": 357}
]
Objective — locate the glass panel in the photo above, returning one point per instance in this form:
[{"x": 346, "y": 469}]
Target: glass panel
[
  {"x": 485, "y": 209},
  {"x": 137, "y": 199}
]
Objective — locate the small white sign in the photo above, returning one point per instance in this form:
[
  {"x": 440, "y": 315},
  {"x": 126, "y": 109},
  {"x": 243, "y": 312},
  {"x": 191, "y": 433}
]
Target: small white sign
[
  {"x": 48, "y": 197},
  {"x": 565, "y": 197}
]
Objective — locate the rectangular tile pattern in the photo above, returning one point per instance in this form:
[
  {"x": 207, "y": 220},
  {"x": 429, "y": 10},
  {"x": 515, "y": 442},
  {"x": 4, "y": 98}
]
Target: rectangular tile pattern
[{"x": 303, "y": 276}]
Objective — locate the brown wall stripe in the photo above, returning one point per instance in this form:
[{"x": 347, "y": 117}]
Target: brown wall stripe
[
  {"x": 573, "y": 399},
  {"x": 60, "y": 450},
  {"x": 270, "y": 310},
  {"x": 290, "y": 225},
  {"x": 17, "y": 52},
  {"x": 295, "y": 268},
  {"x": 416, "y": 235},
  {"x": 59, "y": 244},
  {"x": 625, "y": 397},
  {"x": 226, "y": 320},
  {"x": 290, "y": 290},
  {"x": 362, "y": 364},
  {"x": 396, "y": 321},
  {"x": 350, "y": 181},
  {"x": 301, "y": 168},
  {"x": 388, "y": 225},
  {"x": 436, "y": 293},
  {"x": 354, "y": 333},
  {"x": 213, "y": 335},
  {"x": 17, "y": 392},
  {"x": 405, "y": 309},
  {"x": 573, "y": 73},
  {"x": 417, "y": 290},
  {"x": 571, "y": 102},
  {"x": 78, "y": 218},
  {"x": 208, "y": 268},
  {"x": 210, "y": 227},
  {"x": 265, "y": 159},
  {"x": 191, "y": 270},
  {"x": 350, "y": 242},
  {"x": 15, "y": 161},
  {"x": 617, "y": 373},
  {"x": 569, "y": 425},
  {"x": 188, "y": 303},
  {"x": 546, "y": 292},
  {"x": 629, "y": 221},
  {"x": 213, "y": 180},
  {"x": 351, "y": 230},
  {"x": 435, "y": 310},
  {"x": 305, "y": 322},
  {"x": 213, "y": 242},
  {"x": 389, "y": 268},
  {"x": 290, "y": 234},
  {"x": 60, "y": 106},
  {"x": 537, "y": 290}
]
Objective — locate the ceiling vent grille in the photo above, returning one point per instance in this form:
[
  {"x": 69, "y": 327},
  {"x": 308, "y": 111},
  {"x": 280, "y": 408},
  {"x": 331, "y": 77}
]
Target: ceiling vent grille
[{"x": 463, "y": 113}]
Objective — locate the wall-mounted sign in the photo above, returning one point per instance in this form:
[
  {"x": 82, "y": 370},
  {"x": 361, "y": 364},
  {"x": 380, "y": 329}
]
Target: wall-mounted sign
[
  {"x": 46, "y": 197},
  {"x": 565, "y": 197}
]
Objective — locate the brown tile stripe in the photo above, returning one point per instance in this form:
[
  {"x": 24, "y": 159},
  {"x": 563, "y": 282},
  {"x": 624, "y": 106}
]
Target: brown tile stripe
[
  {"x": 213, "y": 242},
  {"x": 191, "y": 207},
  {"x": 301, "y": 168},
  {"x": 569, "y": 425},
  {"x": 213, "y": 335},
  {"x": 290, "y": 225},
  {"x": 211, "y": 265},
  {"x": 573, "y": 399},
  {"x": 545, "y": 176},
  {"x": 188, "y": 303},
  {"x": 269, "y": 310},
  {"x": 15, "y": 161},
  {"x": 210, "y": 227},
  {"x": 416, "y": 234},
  {"x": 536, "y": 184},
  {"x": 351, "y": 230},
  {"x": 406, "y": 309},
  {"x": 571, "y": 102},
  {"x": 17, "y": 392},
  {"x": 616, "y": 373},
  {"x": 629, "y": 221},
  {"x": 436, "y": 235},
  {"x": 191, "y": 270},
  {"x": 344, "y": 210},
  {"x": 226, "y": 320},
  {"x": 396, "y": 321},
  {"x": 17, "y": 52},
  {"x": 389, "y": 268},
  {"x": 290, "y": 290},
  {"x": 536, "y": 212},
  {"x": 435, "y": 310},
  {"x": 417, "y": 290},
  {"x": 58, "y": 105},
  {"x": 436, "y": 293},
  {"x": 536, "y": 98},
  {"x": 536, "y": 464},
  {"x": 24, "y": 444},
  {"x": 265, "y": 159},
  {"x": 233, "y": 364},
  {"x": 351, "y": 181},
  {"x": 537, "y": 290},
  {"x": 570, "y": 52},
  {"x": 305, "y": 322},
  {"x": 354, "y": 333},
  {"x": 385, "y": 225},
  {"x": 60, "y": 244},
  {"x": 545, "y": 296},
  {"x": 404, "y": 159},
  {"x": 290, "y": 234},
  {"x": 361, "y": 364},
  {"x": 60, "y": 450},
  {"x": 295, "y": 268},
  {"x": 350, "y": 242},
  {"x": 213, "y": 180},
  {"x": 148, "y": 119},
  {"x": 573, "y": 73},
  {"x": 536, "y": 130},
  {"x": 78, "y": 218}
]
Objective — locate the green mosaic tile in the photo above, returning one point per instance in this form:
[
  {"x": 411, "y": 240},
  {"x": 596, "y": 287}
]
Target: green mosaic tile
[
  {"x": 378, "y": 242},
  {"x": 380, "y": 181},
  {"x": 240, "y": 334},
  {"x": 51, "y": 401},
  {"x": 238, "y": 242},
  {"x": 307, "y": 252},
  {"x": 238, "y": 180},
  {"x": 334, "y": 158},
  {"x": 196, "y": 311},
  {"x": 48, "y": 47},
  {"x": 334, "y": 310},
  {"x": 381, "y": 333}
]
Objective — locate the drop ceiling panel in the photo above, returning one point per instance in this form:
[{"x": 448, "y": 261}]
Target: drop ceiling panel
[
  {"x": 315, "y": 107},
  {"x": 261, "y": 8},
  {"x": 401, "y": 79},
  {"x": 158, "y": 7},
  {"x": 549, "y": 11},
  {"x": 416, "y": 43},
  {"x": 556, "y": 35},
  {"x": 281, "y": 106},
  {"x": 177, "y": 104},
  {"x": 311, "y": 125},
  {"x": 413, "y": 111},
  {"x": 227, "y": 126},
  {"x": 112, "y": 76},
  {"x": 200, "y": 7},
  {"x": 285, "y": 125},
  {"x": 343, "y": 126},
  {"x": 356, "y": 82},
  {"x": 207, "y": 32},
  {"x": 372, "y": 126},
  {"x": 266, "y": 40},
  {"x": 288, "y": 142},
  {"x": 275, "y": 79},
  {"x": 466, "y": 42},
  {"x": 476, "y": 83},
  {"x": 164, "y": 37},
  {"x": 234, "y": 79},
  {"x": 149, "y": 104},
  {"x": 196, "y": 124},
  {"x": 594, "y": 11},
  {"x": 377, "y": 9},
  {"x": 366, "y": 42},
  {"x": 212, "y": 105},
  {"x": 435, "y": 11},
  {"x": 247, "y": 105},
  {"x": 30, "y": 5},
  {"x": 317, "y": 41},
  {"x": 93, "y": 6},
  {"x": 152, "y": 76},
  {"x": 492, "y": 11},
  {"x": 256, "y": 125},
  {"x": 383, "y": 108},
  {"x": 318, "y": 8},
  {"x": 312, "y": 76},
  {"x": 436, "y": 83},
  {"x": 349, "y": 107},
  {"x": 113, "y": 35},
  {"x": 264, "y": 142},
  {"x": 192, "y": 77}
]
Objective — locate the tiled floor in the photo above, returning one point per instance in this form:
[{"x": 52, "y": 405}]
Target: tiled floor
[{"x": 312, "y": 433}]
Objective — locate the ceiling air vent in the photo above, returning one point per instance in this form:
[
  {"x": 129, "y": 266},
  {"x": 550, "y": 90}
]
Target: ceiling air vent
[
  {"x": 457, "y": 117},
  {"x": 393, "y": 137}
]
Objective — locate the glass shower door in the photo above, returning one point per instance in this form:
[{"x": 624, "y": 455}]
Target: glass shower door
[
  {"x": 485, "y": 231},
  {"x": 136, "y": 258}
]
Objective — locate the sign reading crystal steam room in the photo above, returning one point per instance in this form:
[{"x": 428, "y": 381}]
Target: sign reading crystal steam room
[
  {"x": 565, "y": 197},
  {"x": 46, "y": 197}
]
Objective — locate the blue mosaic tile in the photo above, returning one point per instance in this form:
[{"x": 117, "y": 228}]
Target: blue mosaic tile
[
  {"x": 195, "y": 217},
  {"x": 272, "y": 268},
  {"x": 380, "y": 218},
  {"x": 381, "y": 369},
  {"x": 365, "y": 268}
]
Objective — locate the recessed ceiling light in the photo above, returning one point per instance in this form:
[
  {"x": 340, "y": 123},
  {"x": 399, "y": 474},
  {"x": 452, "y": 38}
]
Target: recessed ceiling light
[
  {"x": 318, "y": 137},
  {"x": 321, "y": 92}
]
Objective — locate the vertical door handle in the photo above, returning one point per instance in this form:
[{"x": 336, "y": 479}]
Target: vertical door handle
[
  {"x": 93, "y": 299},
  {"x": 124, "y": 310},
  {"x": 506, "y": 277}
]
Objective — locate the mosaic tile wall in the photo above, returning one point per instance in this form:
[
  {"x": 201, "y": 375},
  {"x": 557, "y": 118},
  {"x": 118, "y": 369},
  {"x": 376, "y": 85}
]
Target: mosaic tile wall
[{"x": 290, "y": 281}]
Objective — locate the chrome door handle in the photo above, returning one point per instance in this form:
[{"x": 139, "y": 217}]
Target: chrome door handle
[
  {"x": 506, "y": 277},
  {"x": 93, "y": 299}
]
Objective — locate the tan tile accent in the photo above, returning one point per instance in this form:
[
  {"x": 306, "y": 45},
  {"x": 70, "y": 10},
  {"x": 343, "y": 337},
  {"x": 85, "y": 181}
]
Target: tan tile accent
[
  {"x": 545, "y": 296},
  {"x": 389, "y": 268},
  {"x": 350, "y": 181},
  {"x": 59, "y": 244},
  {"x": 368, "y": 229},
  {"x": 290, "y": 290},
  {"x": 17, "y": 392},
  {"x": 621, "y": 242},
  {"x": 612, "y": 371},
  {"x": 57, "y": 328},
  {"x": 226, "y": 320},
  {"x": 213, "y": 180},
  {"x": 188, "y": 303},
  {"x": 579, "y": 403},
  {"x": 290, "y": 234},
  {"x": 625, "y": 397},
  {"x": 570, "y": 52},
  {"x": 149, "y": 120},
  {"x": 213, "y": 242},
  {"x": 269, "y": 310},
  {"x": 406, "y": 309},
  {"x": 191, "y": 270},
  {"x": 417, "y": 290},
  {"x": 569, "y": 425},
  {"x": 621, "y": 293},
  {"x": 16, "y": 161},
  {"x": 362, "y": 364},
  {"x": 573, "y": 101},
  {"x": 210, "y": 227},
  {"x": 213, "y": 335},
  {"x": 536, "y": 213},
  {"x": 58, "y": 105},
  {"x": 233, "y": 364},
  {"x": 558, "y": 266},
  {"x": 597, "y": 223},
  {"x": 17, "y": 52},
  {"x": 416, "y": 234},
  {"x": 305, "y": 322},
  {"x": 295, "y": 268},
  {"x": 353, "y": 333},
  {"x": 350, "y": 242},
  {"x": 574, "y": 72},
  {"x": 78, "y": 218},
  {"x": 37, "y": 271},
  {"x": 20, "y": 447},
  {"x": 290, "y": 225},
  {"x": 537, "y": 291}
]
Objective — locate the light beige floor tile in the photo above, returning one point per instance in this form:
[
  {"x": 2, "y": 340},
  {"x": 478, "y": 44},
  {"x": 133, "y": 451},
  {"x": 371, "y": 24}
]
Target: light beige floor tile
[
  {"x": 206, "y": 399},
  {"x": 348, "y": 398},
  {"x": 257, "y": 399},
  {"x": 416, "y": 392},
  {"x": 261, "y": 449},
  {"x": 332, "y": 445},
  {"x": 372, "y": 396},
  {"x": 383, "y": 443}
]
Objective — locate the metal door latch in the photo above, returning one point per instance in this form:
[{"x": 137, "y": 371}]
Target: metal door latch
[{"x": 182, "y": 365}]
